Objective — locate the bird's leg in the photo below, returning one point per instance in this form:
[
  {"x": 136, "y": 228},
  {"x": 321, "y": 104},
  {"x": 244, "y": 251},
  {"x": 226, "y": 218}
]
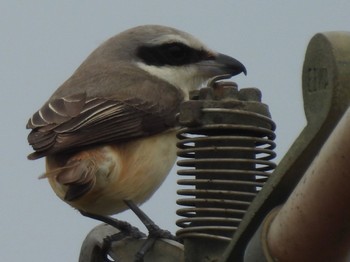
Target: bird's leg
[
  {"x": 154, "y": 231},
  {"x": 121, "y": 225}
]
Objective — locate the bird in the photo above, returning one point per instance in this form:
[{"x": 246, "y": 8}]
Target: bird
[{"x": 108, "y": 133}]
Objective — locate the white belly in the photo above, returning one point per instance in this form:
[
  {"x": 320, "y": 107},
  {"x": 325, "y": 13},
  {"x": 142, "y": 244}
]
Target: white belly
[{"x": 131, "y": 171}]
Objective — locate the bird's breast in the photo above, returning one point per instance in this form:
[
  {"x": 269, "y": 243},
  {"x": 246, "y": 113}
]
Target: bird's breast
[{"x": 132, "y": 170}]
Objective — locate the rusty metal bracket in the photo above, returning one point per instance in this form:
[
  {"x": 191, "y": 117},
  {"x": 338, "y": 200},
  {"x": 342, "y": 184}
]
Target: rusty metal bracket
[{"x": 326, "y": 92}]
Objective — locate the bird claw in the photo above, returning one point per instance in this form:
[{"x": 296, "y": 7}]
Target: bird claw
[
  {"x": 156, "y": 232},
  {"x": 127, "y": 230}
]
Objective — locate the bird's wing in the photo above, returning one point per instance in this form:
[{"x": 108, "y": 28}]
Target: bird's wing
[{"x": 67, "y": 122}]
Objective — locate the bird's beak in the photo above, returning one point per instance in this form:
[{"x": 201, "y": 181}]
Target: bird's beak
[{"x": 221, "y": 64}]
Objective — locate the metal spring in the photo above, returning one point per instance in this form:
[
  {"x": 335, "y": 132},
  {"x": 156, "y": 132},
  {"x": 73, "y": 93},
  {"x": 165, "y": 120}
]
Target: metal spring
[{"x": 226, "y": 164}]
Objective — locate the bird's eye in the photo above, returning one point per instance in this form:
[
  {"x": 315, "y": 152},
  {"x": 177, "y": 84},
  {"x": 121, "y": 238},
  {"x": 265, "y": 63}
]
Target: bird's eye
[{"x": 175, "y": 52}]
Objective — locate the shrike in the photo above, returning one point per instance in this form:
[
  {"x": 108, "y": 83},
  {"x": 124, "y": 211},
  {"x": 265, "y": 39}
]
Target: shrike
[{"x": 108, "y": 132}]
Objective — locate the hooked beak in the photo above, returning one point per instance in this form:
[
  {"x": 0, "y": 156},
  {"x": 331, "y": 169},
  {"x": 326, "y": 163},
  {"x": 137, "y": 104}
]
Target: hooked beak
[{"x": 221, "y": 64}]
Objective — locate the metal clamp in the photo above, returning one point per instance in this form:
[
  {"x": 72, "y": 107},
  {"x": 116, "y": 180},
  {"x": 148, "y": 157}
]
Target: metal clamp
[{"x": 326, "y": 91}]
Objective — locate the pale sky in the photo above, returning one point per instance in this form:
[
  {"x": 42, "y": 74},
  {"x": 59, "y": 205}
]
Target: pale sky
[{"x": 42, "y": 42}]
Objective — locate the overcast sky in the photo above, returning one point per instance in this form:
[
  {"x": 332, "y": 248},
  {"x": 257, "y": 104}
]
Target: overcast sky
[{"x": 42, "y": 42}]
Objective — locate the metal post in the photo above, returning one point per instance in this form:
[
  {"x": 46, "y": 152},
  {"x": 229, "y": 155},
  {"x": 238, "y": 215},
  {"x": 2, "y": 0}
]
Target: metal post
[{"x": 227, "y": 146}]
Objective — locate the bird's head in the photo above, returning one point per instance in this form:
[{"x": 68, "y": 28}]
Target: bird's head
[{"x": 169, "y": 54}]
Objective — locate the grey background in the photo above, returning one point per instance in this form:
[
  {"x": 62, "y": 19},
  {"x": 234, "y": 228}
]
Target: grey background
[{"x": 42, "y": 42}]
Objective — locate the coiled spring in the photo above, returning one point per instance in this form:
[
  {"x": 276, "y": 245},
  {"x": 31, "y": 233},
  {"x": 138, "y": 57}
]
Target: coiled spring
[{"x": 226, "y": 147}]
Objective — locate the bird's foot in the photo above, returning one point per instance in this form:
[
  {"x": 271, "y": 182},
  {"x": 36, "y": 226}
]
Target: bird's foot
[
  {"x": 155, "y": 233},
  {"x": 126, "y": 230}
]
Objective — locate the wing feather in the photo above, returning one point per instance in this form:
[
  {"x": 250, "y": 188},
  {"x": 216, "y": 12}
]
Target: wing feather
[{"x": 71, "y": 121}]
